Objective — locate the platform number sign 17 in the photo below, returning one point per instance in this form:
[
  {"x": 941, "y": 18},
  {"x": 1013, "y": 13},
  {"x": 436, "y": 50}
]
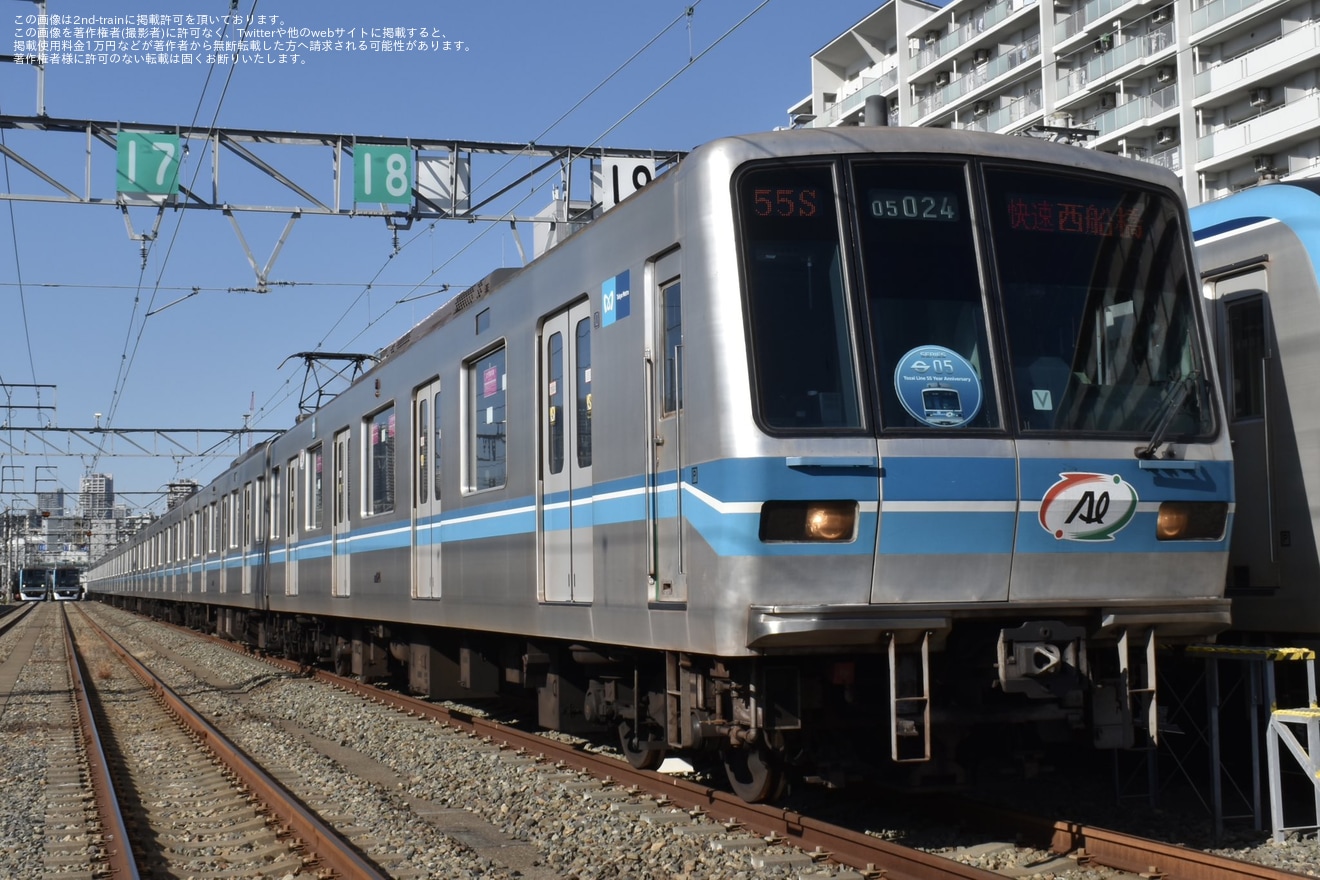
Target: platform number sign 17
[
  {"x": 148, "y": 164},
  {"x": 383, "y": 173}
]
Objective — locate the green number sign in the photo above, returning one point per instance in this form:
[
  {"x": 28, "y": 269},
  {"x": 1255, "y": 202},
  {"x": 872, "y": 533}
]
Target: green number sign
[
  {"x": 382, "y": 173},
  {"x": 148, "y": 164}
]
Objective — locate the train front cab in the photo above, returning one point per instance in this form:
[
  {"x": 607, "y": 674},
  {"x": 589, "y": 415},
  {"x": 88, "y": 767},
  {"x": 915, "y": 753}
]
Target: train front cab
[
  {"x": 1050, "y": 484},
  {"x": 1259, "y": 251},
  {"x": 34, "y": 584}
]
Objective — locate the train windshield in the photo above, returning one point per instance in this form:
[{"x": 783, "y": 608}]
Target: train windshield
[
  {"x": 797, "y": 301},
  {"x": 925, "y": 299},
  {"x": 1099, "y": 306},
  {"x": 1089, "y": 276}
]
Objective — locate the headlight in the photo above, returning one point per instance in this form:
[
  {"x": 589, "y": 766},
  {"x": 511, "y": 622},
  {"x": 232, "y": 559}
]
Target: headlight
[
  {"x": 1191, "y": 520},
  {"x": 808, "y": 520}
]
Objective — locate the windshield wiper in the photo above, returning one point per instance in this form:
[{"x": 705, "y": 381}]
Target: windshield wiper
[{"x": 1172, "y": 406}]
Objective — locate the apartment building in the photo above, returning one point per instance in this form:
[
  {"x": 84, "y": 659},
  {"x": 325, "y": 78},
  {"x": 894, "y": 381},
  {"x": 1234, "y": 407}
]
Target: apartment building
[{"x": 1225, "y": 93}]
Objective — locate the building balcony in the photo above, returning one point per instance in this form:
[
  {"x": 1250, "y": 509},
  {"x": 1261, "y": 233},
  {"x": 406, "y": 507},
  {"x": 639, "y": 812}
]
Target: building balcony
[
  {"x": 1170, "y": 159},
  {"x": 1210, "y": 14},
  {"x": 1295, "y": 120},
  {"x": 979, "y": 76},
  {"x": 1300, "y": 47},
  {"x": 1131, "y": 50},
  {"x": 1007, "y": 116},
  {"x": 1146, "y": 108},
  {"x": 854, "y": 102},
  {"x": 1079, "y": 21},
  {"x": 967, "y": 32}
]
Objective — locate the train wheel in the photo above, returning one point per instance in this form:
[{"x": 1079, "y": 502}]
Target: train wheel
[
  {"x": 755, "y": 772},
  {"x": 636, "y": 751}
]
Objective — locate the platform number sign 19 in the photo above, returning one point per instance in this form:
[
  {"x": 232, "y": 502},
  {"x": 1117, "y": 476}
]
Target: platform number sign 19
[
  {"x": 383, "y": 173},
  {"x": 620, "y": 177},
  {"x": 147, "y": 164}
]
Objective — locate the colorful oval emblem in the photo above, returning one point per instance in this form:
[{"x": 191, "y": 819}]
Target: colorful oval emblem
[{"x": 1088, "y": 507}]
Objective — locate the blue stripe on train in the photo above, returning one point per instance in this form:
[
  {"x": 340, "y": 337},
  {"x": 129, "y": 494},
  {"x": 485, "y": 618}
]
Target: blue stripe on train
[{"x": 723, "y": 507}]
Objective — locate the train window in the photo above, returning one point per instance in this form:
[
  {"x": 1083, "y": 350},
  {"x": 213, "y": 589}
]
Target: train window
[
  {"x": 437, "y": 460},
  {"x": 316, "y": 487},
  {"x": 423, "y": 462},
  {"x": 247, "y": 514},
  {"x": 291, "y": 497},
  {"x": 486, "y": 418},
  {"x": 803, "y": 358},
  {"x": 582, "y": 358},
  {"x": 671, "y": 307},
  {"x": 1099, "y": 305},
  {"x": 555, "y": 402},
  {"x": 1246, "y": 352},
  {"x": 275, "y": 507},
  {"x": 924, "y": 296},
  {"x": 380, "y": 461}
]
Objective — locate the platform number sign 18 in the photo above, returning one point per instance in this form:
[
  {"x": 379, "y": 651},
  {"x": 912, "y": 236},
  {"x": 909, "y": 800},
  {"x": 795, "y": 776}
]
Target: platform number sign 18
[
  {"x": 147, "y": 164},
  {"x": 383, "y": 173}
]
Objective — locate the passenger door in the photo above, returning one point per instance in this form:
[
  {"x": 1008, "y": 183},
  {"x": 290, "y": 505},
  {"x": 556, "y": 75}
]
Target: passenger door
[
  {"x": 665, "y": 493},
  {"x": 340, "y": 519},
  {"x": 1254, "y": 398},
  {"x": 565, "y": 517},
  {"x": 426, "y": 492}
]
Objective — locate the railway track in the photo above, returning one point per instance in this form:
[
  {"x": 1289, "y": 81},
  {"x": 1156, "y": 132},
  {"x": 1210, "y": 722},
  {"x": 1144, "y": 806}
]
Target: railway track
[
  {"x": 111, "y": 774},
  {"x": 658, "y": 809},
  {"x": 185, "y": 800},
  {"x": 1059, "y": 845}
]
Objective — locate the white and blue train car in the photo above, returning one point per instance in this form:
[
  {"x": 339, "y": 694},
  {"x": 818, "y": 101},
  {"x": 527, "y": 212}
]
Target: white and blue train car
[
  {"x": 1259, "y": 251},
  {"x": 822, "y": 447}
]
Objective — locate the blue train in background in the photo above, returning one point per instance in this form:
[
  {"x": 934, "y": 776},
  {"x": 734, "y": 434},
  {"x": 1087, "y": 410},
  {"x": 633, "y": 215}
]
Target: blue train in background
[
  {"x": 818, "y": 451},
  {"x": 1258, "y": 251}
]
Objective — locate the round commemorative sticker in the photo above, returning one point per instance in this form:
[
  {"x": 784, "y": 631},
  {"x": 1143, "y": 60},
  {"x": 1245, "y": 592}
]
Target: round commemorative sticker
[{"x": 938, "y": 387}]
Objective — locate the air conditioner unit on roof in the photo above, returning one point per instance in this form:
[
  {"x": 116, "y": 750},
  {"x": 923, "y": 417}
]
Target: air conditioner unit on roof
[
  {"x": 1259, "y": 97},
  {"x": 941, "y": 79},
  {"x": 1164, "y": 135},
  {"x": 981, "y": 56}
]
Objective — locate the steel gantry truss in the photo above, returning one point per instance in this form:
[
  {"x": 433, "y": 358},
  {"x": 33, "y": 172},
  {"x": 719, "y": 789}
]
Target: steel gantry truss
[
  {"x": 46, "y": 440},
  {"x": 441, "y": 194},
  {"x": 325, "y": 196}
]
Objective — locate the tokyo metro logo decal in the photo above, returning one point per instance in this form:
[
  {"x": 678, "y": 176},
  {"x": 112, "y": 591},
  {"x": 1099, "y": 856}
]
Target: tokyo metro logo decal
[{"x": 1088, "y": 507}]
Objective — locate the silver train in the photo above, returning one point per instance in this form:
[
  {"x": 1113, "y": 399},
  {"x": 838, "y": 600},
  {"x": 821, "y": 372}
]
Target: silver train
[
  {"x": 817, "y": 451},
  {"x": 1259, "y": 251}
]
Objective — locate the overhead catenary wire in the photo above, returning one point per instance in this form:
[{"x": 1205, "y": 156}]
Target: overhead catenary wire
[
  {"x": 285, "y": 390},
  {"x": 128, "y": 356}
]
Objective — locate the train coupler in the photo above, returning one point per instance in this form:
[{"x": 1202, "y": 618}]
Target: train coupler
[{"x": 1044, "y": 660}]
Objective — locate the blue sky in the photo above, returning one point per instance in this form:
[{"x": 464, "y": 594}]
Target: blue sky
[{"x": 73, "y": 289}]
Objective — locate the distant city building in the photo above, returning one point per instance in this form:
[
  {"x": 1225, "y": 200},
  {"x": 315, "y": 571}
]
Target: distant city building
[
  {"x": 1225, "y": 93},
  {"x": 51, "y": 503},
  {"x": 177, "y": 493},
  {"x": 97, "y": 495}
]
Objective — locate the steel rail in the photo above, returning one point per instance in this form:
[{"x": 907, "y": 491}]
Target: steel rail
[
  {"x": 870, "y": 855},
  {"x": 1115, "y": 849},
  {"x": 116, "y": 852},
  {"x": 329, "y": 847}
]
